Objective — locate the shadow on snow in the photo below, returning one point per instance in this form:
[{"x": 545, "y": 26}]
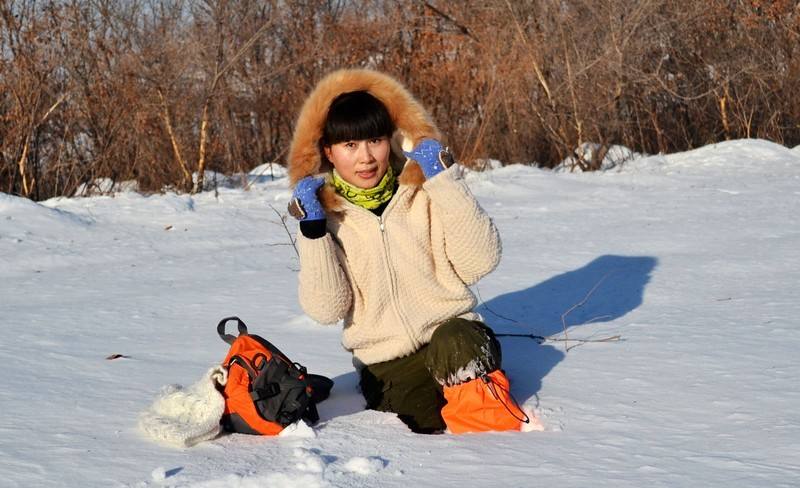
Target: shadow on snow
[{"x": 620, "y": 282}]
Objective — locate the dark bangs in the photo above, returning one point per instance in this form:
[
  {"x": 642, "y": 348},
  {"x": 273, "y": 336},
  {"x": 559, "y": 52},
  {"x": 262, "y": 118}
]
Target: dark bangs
[{"x": 354, "y": 116}]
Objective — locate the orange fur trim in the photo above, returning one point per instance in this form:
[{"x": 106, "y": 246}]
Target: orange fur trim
[
  {"x": 410, "y": 118},
  {"x": 412, "y": 175},
  {"x": 330, "y": 200}
]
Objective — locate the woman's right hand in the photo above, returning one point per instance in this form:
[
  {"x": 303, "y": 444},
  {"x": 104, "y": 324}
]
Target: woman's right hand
[{"x": 304, "y": 204}]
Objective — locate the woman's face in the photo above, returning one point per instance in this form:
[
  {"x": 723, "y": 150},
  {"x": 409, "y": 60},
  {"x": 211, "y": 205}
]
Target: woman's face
[{"x": 361, "y": 163}]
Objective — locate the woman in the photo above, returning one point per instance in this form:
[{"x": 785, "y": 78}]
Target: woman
[{"x": 389, "y": 243}]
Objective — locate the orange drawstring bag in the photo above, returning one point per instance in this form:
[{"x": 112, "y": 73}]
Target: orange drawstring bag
[{"x": 483, "y": 404}]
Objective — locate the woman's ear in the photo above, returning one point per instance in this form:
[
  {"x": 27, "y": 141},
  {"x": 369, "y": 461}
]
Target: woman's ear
[{"x": 327, "y": 151}]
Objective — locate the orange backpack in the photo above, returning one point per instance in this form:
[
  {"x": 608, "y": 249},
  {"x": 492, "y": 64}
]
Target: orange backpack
[{"x": 266, "y": 391}]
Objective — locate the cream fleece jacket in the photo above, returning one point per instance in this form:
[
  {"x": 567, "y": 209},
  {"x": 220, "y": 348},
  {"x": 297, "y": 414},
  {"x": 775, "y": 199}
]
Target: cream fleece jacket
[{"x": 393, "y": 279}]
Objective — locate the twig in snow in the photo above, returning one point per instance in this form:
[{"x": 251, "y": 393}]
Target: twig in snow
[
  {"x": 542, "y": 339},
  {"x": 565, "y": 339},
  {"x": 117, "y": 356},
  {"x": 579, "y": 305},
  {"x": 283, "y": 222},
  {"x": 480, "y": 299},
  {"x": 595, "y": 319}
]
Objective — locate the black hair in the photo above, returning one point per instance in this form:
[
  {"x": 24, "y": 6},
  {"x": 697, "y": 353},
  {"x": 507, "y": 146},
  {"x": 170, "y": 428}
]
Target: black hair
[{"x": 354, "y": 116}]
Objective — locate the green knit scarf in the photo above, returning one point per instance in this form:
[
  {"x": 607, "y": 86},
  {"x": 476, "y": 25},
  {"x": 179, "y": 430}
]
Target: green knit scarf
[{"x": 370, "y": 198}]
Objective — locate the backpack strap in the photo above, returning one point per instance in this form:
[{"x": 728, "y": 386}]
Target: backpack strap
[
  {"x": 275, "y": 351},
  {"x": 227, "y": 337},
  {"x": 236, "y": 359}
]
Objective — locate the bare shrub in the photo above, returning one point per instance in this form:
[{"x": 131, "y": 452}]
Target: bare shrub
[{"x": 159, "y": 91}]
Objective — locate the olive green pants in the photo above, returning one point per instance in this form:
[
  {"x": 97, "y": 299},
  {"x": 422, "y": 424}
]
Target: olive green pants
[{"x": 411, "y": 386}]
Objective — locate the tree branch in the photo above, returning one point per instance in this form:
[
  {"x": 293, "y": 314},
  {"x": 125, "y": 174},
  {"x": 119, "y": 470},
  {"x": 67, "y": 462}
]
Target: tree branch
[
  {"x": 464, "y": 30},
  {"x": 283, "y": 222}
]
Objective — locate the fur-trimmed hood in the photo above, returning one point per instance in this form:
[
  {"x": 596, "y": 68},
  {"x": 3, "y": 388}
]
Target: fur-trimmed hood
[{"x": 412, "y": 122}]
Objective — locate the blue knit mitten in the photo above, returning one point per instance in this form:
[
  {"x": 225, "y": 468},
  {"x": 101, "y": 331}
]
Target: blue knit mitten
[
  {"x": 431, "y": 157},
  {"x": 304, "y": 204}
]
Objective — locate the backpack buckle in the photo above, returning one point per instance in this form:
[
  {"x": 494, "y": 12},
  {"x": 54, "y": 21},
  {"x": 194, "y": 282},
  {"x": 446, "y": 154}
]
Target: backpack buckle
[{"x": 269, "y": 390}]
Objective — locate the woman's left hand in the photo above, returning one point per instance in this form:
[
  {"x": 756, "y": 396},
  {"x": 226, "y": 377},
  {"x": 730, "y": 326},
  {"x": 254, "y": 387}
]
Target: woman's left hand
[{"x": 431, "y": 157}]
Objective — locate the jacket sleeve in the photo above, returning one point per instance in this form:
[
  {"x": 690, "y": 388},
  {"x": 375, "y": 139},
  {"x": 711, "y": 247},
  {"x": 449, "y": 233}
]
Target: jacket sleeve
[
  {"x": 472, "y": 242},
  {"x": 323, "y": 290}
]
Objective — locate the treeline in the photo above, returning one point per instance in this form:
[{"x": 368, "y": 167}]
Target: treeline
[{"x": 160, "y": 90}]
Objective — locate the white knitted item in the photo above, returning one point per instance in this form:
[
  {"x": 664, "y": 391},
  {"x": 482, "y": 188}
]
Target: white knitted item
[{"x": 182, "y": 417}]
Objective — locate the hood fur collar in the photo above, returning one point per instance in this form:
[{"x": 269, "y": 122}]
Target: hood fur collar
[{"x": 411, "y": 120}]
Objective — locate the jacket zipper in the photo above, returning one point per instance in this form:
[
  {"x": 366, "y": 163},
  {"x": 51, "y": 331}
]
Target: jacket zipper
[
  {"x": 390, "y": 273},
  {"x": 393, "y": 283}
]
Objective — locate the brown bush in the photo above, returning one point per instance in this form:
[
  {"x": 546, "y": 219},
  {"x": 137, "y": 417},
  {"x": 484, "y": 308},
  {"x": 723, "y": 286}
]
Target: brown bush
[{"x": 158, "y": 90}]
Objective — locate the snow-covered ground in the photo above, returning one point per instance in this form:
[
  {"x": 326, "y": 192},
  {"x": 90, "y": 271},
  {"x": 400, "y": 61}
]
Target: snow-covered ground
[{"x": 696, "y": 262}]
